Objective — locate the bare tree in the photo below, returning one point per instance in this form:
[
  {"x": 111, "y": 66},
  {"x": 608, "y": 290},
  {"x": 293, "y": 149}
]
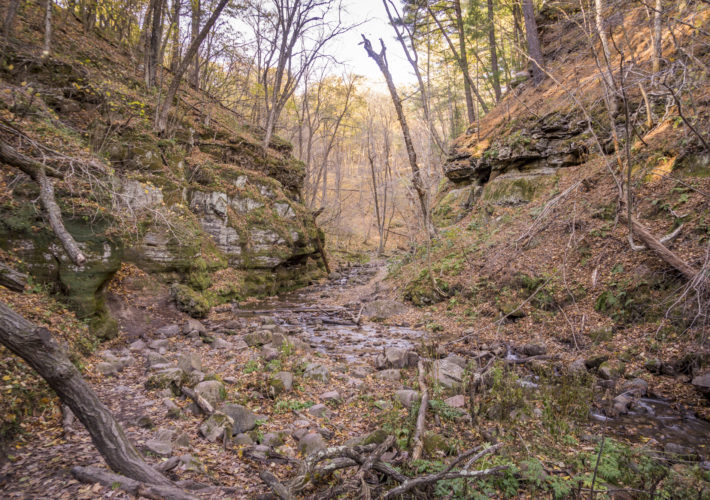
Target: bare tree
[
  {"x": 47, "y": 27},
  {"x": 195, "y": 13},
  {"x": 494, "y": 52},
  {"x": 533, "y": 38},
  {"x": 289, "y": 38},
  {"x": 9, "y": 21},
  {"x": 175, "y": 55},
  {"x": 161, "y": 114},
  {"x": 381, "y": 59},
  {"x": 657, "y": 38}
]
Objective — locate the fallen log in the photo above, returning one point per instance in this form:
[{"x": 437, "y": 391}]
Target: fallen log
[
  {"x": 131, "y": 486},
  {"x": 12, "y": 279},
  {"x": 201, "y": 402},
  {"x": 421, "y": 416}
]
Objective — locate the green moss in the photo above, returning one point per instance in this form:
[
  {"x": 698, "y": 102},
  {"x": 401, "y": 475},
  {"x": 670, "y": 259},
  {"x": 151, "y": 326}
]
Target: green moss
[
  {"x": 515, "y": 190},
  {"x": 190, "y": 301}
]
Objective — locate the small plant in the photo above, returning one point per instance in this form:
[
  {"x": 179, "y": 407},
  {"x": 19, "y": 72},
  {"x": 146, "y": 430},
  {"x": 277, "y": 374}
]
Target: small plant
[{"x": 251, "y": 366}]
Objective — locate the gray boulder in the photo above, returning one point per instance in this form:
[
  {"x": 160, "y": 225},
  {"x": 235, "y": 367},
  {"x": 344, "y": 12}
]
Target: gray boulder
[
  {"x": 243, "y": 419},
  {"x": 212, "y": 390},
  {"x": 216, "y": 426},
  {"x": 392, "y": 375},
  {"x": 702, "y": 383},
  {"x": 311, "y": 443},
  {"x": 394, "y": 357},
  {"x": 257, "y": 338},
  {"x": 269, "y": 353},
  {"x": 379, "y": 310},
  {"x": 280, "y": 383},
  {"x": 320, "y": 411},
  {"x": 317, "y": 371},
  {"x": 448, "y": 373},
  {"x": 407, "y": 397},
  {"x": 190, "y": 362},
  {"x": 168, "y": 330},
  {"x": 193, "y": 325}
]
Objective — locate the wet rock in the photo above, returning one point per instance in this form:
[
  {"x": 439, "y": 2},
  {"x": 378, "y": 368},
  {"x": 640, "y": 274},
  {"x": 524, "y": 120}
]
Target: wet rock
[
  {"x": 243, "y": 419},
  {"x": 407, "y": 397},
  {"x": 320, "y": 411},
  {"x": 332, "y": 396},
  {"x": 392, "y": 375},
  {"x": 311, "y": 443},
  {"x": 317, "y": 371},
  {"x": 216, "y": 426},
  {"x": 379, "y": 310},
  {"x": 458, "y": 401},
  {"x": 448, "y": 374},
  {"x": 533, "y": 349},
  {"x": 621, "y": 404},
  {"x": 243, "y": 439},
  {"x": 171, "y": 407},
  {"x": 190, "y": 362},
  {"x": 168, "y": 330},
  {"x": 193, "y": 325},
  {"x": 637, "y": 387},
  {"x": 394, "y": 357},
  {"x": 257, "y": 338},
  {"x": 212, "y": 390},
  {"x": 280, "y": 383},
  {"x": 702, "y": 383},
  {"x": 610, "y": 370},
  {"x": 269, "y": 353}
]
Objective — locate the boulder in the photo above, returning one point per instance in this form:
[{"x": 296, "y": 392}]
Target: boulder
[
  {"x": 220, "y": 344},
  {"x": 168, "y": 330},
  {"x": 216, "y": 426},
  {"x": 448, "y": 374},
  {"x": 595, "y": 361},
  {"x": 457, "y": 360},
  {"x": 637, "y": 387},
  {"x": 280, "y": 383},
  {"x": 243, "y": 419},
  {"x": 320, "y": 411},
  {"x": 611, "y": 370},
  {"x": 269, "y": 353},
  {"x": 621, "y": 404},
  {"x": 379, "y": 310},
  {"x": 212, "y": 390},
  {"x": 332, "y": 396},
  {"x": 702, "y": 383},
  {"x": 160, "y": 448},
  {"x": 190, "y": 362},
  {"x": 533, "y": 349},
  {"x": 273, "y": 439},
  {"x": 257, "y": 338},
  {"x": 169, "y": 378},
  {"x": 458, "y": 401},
  {"x": 159, "y": 344},
  {"x": 311, "y": 443},
  {"x": 317, "y": 371},
  {"x": 190, "y": 463},
  {"x": 243, "y": 439},
  {"x": 392, "y": 375},
  {"x": 361, "y": 371},
  {"x": 109, "y": 368},
  {"x": 577, "y": 367},
  {"x": 172, "y": 409},
  {"x": 193, "y": 325},
  {"x": 407, "y": 397},
  {"x": 394, "y": 357},
  {"x": 155, "y": 359},
  {"x": 137, "y": 346}
]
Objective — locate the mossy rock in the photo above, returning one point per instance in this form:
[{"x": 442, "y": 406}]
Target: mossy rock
[
  {"x": 453, "y": 206},
  {"x": 377, "y": 436},
  {"x": 435, "y": 444},
  {"x": 516, "y": 189},
  {"x": 190, "y": 301}
]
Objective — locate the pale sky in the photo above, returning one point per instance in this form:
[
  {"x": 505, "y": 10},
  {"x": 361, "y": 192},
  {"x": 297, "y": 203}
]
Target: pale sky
[{"x": 376, "y": 25}]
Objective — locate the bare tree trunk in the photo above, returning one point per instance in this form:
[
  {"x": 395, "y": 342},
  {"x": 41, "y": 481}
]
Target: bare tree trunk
[
  {"x": 47, "y": 28},
  {"x": 175, "y": 55},
  {"x": 161, "y": 115},
  {"x": 36, "y": 346},
  {"x": 494, "y": 52},
  {"x": 9, "y": 22},
  {"x": 153, "y": 52},
  {"x": 381, "y": 60},
  {"x": 463, "y": 62},
  {"x": 38, "y": 173},
  {"x": 194, "y": 33},
  {"x": 533, "y": 41},
  {"x": 606, "y": 63},
  {"x": 657, "y": 36}
]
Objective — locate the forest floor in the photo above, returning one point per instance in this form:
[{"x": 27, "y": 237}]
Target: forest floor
[{"x": 344, "y": 389}]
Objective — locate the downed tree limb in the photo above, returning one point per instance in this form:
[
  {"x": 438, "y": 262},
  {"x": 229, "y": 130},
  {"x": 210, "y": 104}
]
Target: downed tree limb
[
  {"x": 522, "y": 361},
  {"x": 36, "y": 346},
  {"x": 272, "y": 482},
  {"x": 37, "y": 171},
  {"x": 12, "y": 279},
  {"x": 137, "y": 488},
  {"x": 421, "y": 416},
  {"x": 201, "y": 402}
]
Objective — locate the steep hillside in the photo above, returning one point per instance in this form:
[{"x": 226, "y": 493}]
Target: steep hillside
[{"x": 204, "y": 208}]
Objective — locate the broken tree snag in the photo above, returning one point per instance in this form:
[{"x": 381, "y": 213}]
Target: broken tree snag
[
  {"x": 421, "y": 416},
  {"x": 38, "y": 172},
  {"x": 36, "y": 346},
  {"x": 319, "y": 244}
]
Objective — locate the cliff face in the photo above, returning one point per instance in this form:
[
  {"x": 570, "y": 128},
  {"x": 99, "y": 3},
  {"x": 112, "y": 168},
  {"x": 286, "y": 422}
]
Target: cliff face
[{"x": 205, "y": 210}]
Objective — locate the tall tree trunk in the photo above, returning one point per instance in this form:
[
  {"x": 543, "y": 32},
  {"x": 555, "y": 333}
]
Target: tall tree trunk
[
  {"x": 161, "y": 115},
  {"x": 463, "y": 62},
  {"x": 156, "y": 35},
  {"x": 9, "y": 22},
  {"x": 381, "y": 60},
  {"x": 533, "y": 41},
  {"x": 194, "y": 33},
  {"x": 606, "y": 70},
  {"x": 657, "y": 38},
  {"x": 36, "y": 346},
  {"x": 494, "y": 52},
  {"x": 47, "y": 28},
  {"x": 175, "y": 55}
]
